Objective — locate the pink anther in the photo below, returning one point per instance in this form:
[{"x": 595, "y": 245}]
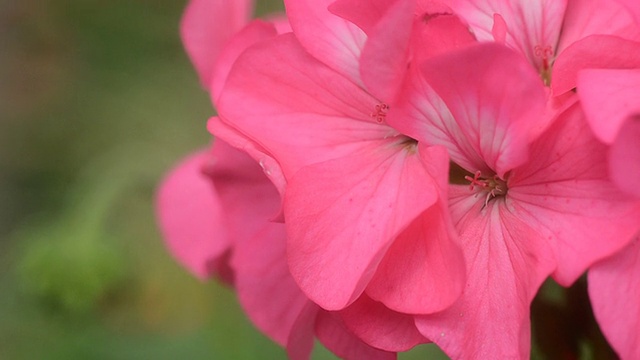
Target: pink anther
[
  {"x": 543, "y": 52},
  {"x": 380, "y": 112}
]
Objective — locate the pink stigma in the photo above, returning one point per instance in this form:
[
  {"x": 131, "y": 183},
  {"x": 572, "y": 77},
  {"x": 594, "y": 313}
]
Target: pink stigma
[
  {"x": 380, "y": 112},
  {"x": 545, "y": 54}
]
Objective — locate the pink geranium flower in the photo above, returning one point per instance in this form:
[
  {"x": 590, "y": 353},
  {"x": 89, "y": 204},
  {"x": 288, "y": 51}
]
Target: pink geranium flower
[
  {"x": 215, "y": 209},
  {"x": 540, "y": 201},
  {"x": 360, "y": 197}
]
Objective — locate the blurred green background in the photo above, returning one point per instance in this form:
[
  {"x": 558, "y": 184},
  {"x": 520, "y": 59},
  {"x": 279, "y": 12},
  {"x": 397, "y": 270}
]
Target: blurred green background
[{"x": 97, "y": 102}]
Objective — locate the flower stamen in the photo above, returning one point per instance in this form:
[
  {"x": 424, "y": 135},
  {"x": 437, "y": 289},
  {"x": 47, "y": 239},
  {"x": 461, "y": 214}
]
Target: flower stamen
[{"x": 494, "y": 186}]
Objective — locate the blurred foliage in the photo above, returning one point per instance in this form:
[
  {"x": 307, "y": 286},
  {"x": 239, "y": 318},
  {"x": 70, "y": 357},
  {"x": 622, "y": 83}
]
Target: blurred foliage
[{"x": 97, "y": 102}]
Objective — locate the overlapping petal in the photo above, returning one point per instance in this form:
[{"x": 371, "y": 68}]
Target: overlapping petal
[
  {"x": 381, "y": 327},
  {"x": 614, "y": 290},
  {"x": 423, "y": 270},
  {"x": 385, "y": 55},
  {"x": 463, "y": 101},
  {"x": 532, "y": 26},
  {"x": 265, "y": 288},
  {"x": 566, "y": 192},
  {"x": 437, "y": 30},
  {"x": 283, "y": 99},
  {"x": 247, "y": 196},
  {"x": 624, "y": 157},
  {"x": 335, "y": 336},
  {"x": 231, "y": 136},
  {"x": 597, "y": 17},
  {"x": 633, "y": 6},
  {"x": 507, "y": 263},
  {"x": 206, "y": 27},
  {"x": 331, "y": 39},
  {"x": 190, "y": 216},
  {"x": 595, "y": 51},
  {"x": 253, "y": 33},
  {"x": 610, "y": 100},
  {"x": 609, "y": 97},
  {"x": 342, "y": 215}
]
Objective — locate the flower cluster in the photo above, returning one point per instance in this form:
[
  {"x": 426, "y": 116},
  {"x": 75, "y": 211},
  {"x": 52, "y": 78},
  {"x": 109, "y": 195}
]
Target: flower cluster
[{"x": 387, "y": 173}]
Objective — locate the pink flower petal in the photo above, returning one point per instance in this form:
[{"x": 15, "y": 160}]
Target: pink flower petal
[
  {"x": 499, "y": 29},
  {"x": 385, "y": 55},
  {"x": 253, "y": 33},
  {"x": 331, "y": 39},
  {"x": 624, "y": 157},
  {"x": 190, "y": 216},
  {"x": 363, "y": 14},
  {"x": 601, "y": 17},
  {"x": 609, "y": 97},
  {"x": 334, "y": 335},
  {"x": 342, "y": 215},
  {"x": 206, "y": 26},
  {"x": 595, "y": 51},
  {"x": 248, "y": 198},
  {"x": 614, "y": 289},
  {"x": 507, "y": 263},
  {"x": 302, "y": 335},
  {"x": 566, "y": 193},
  {"x": 489, "y": 119},
  {"x": 437, "y": 31},
  {"x": 297, "y": 109},
  {"x": 269, "y": 165},
  {"x": 633, "y": 6},
  {"x": 424, "y": 269},
  {"x": 381, "y": 327},
  {"x": 265, "y": 288}
]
